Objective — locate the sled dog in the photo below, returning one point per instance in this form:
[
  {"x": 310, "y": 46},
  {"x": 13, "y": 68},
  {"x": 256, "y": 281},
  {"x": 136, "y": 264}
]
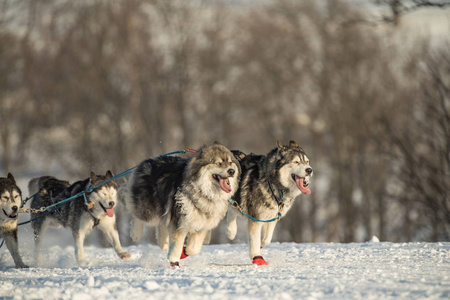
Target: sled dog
[
  {"x": 10, "y": 202},
  {"x": 269, "y": 184},
  {"x": 80, "y": 215},
  {"x": 183, "y": 197}
]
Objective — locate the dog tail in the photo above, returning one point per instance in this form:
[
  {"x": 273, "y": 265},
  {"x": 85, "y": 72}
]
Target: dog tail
[{"x": 34, "y": 186}]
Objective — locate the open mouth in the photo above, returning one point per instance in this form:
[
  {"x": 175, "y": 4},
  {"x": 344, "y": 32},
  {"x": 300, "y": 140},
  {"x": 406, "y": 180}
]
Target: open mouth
[
  {"x": 223, "y": 182},
  {"x": 11, "y": 216},
  {"x": 108, "y": 211},
  {"x": 301, "y": 183}
]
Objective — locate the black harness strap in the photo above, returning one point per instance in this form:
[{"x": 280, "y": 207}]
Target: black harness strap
[
  {"x": 96, "y": 221},
  {"x": 279, "y": 200}
]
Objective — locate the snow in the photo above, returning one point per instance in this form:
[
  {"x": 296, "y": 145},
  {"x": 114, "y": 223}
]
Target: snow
[{"x": 372, "y": 270}]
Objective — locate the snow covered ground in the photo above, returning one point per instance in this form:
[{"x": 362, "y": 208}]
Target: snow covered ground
[{"x": 295, "y": 271}]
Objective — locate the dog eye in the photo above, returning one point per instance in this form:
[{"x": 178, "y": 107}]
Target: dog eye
[
  {"x": 296, "y": 162},
  {"x": 219, "y": 164}
]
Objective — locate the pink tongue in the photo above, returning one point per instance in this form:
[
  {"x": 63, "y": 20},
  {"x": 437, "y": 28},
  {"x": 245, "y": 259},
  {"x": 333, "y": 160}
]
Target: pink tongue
[
  {"x": 224, "y": 184},
  {"x": 110, "y": 212},
  {"x": 299, "y": 182}
]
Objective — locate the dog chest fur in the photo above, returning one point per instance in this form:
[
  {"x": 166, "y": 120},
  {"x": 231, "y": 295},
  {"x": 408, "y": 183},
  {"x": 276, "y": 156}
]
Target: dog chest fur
[{"x": 8, "y": 227}]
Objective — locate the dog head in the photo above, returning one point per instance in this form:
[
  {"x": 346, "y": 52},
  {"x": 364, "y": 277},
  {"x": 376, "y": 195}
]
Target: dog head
[
  {"x": 11, "y": 198},
  {"x": 104, "y": 197},
  {"x": 218, "y": 169},
  {"x": 293, "y": 166}
]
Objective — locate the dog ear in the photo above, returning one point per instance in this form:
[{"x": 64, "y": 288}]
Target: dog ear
[
  {"x": 204, "y": 145},
  {"x": 280, "y": 146},
  {"x": 11, "y": 177},
  {"x": 93, "y": 176},
  {"x": 294, "y": 144},
  {"x": 238, "y": 154},
  {"x": 109, "y": 174},
  {"x": 217, "y": 143}
]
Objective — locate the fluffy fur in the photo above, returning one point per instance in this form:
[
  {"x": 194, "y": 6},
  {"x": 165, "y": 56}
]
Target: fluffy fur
[
  {"x": 76, "y": 215},
  {"x": 183, "y": 197},
  {"x": 269, "y": 183},
  {"x": 10, "y": 202}
]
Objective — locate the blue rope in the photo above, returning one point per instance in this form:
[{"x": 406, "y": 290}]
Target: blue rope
[
  {"x": 236, "y": 205},
  {"x": 28, "y": 199}
]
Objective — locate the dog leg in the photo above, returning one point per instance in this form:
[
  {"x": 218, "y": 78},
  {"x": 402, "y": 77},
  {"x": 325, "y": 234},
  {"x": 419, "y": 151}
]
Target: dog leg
[
  {"x": 163, "y": 237},
  {"x": 109, "y": 228},
  {"x": 79, "y": 245},
  {"x": 137, "y": 228},
  {"x": 207, "y": 237},
  {"x": 195, "y": 243},
  {"x": 79, "y": 234},
  {"x": 40, "y": 228},
  {"x": 232, "y": 224},
  {"x": 267, "y": 230},
  {"x": 176, "y": 247},
  {"x": 254, "y": 242},
  {"x": 13, "y": 247}
]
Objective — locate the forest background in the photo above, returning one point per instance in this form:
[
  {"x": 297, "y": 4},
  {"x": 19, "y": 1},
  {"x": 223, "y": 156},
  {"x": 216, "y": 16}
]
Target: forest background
[{"x": 360, "y": 85}]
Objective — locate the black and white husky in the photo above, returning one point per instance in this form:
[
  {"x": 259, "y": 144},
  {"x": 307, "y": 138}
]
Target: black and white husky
[
  {"x": 80, "y": 215},
  {"x": 269, "y": 185},
  {"x": 183, "y": 197},
  {"x": 10, "y": 202}
]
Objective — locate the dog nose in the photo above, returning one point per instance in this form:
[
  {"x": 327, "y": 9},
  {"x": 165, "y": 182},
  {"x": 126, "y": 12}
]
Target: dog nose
[
  {"x": 14, "y": 208},
  {"x": 111, "y": 204},
  {"x": 231, "y": 172},
  {"x": 308, "y": 171}
]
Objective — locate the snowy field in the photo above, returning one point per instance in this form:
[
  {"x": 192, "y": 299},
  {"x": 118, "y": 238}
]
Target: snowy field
[{"x": 295, "y": 271}]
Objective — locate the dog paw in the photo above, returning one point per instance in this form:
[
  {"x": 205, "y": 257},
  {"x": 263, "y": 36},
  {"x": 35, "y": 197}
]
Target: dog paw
[
  {"x": 39, "y": 259},
  {"x": 124, "y": 255},
  {"x": 137, "y": 229},
  {"x": 259, "y": 261},
  {"x": 22, "y": 266},
  {"x": 175, "y": 265},
  {"x": 135, "y": 237},
  {"x": 85, "y": 263},
  {"x": 231, "y": 232},
  {"x": 183, "y": 254}
]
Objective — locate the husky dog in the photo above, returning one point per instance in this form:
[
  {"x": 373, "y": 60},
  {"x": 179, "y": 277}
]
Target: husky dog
[
  {"x": 269, "y": 185},
  {"x": 80, "y": 215},
  {"x": 10, "y": 202},
  {"x": 183, "y": 197}
]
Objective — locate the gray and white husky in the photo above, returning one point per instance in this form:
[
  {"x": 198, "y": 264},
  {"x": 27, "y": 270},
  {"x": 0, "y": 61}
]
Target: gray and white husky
[
  {"x": 10, "y": 202},
  {"x": 79, "y": 216},
  {"x": 183, "y": 197},
  {"x": 269, "y": 185}
]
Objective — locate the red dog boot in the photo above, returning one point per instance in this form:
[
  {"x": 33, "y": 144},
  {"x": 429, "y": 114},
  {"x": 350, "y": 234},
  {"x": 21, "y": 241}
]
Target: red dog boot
[
  {"x": 183, "y": 254},
  {"x": 259, "y": 260}
]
